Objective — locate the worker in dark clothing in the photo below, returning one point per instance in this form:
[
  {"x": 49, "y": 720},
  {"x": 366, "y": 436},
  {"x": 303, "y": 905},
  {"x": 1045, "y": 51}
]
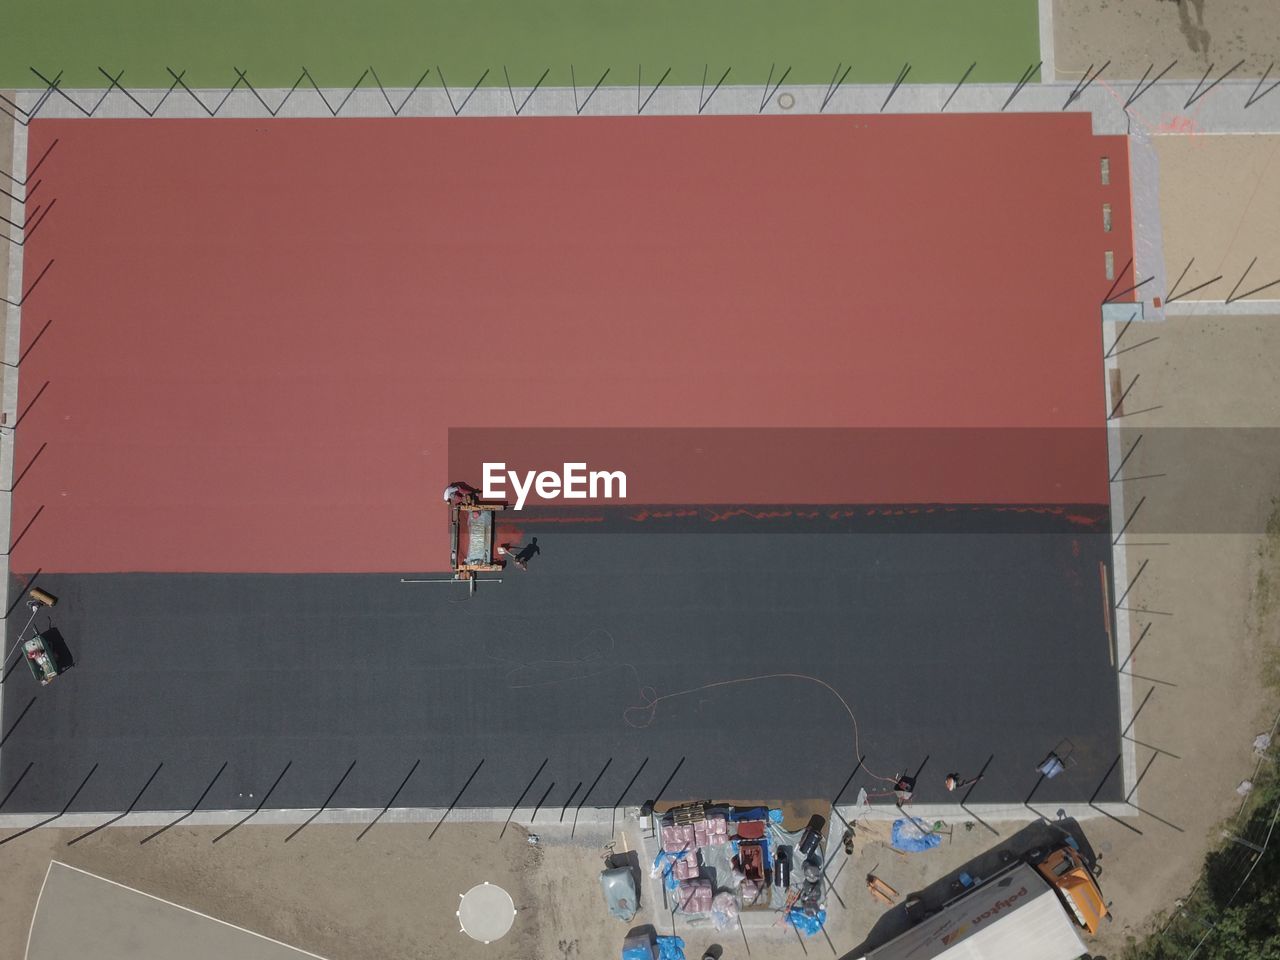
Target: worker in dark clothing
[{"x": 527, "y": 553}]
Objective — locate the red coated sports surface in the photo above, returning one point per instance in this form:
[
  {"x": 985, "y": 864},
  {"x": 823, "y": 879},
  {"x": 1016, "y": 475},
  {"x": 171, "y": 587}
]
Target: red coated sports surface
[{"x": 255, "y": 335}]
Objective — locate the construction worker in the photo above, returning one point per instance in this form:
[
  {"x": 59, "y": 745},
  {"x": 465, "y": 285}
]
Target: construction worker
[
  {"x": 956, "y": 782},
  {"x": 458, "y": 493},
  {"x": 522, "y": 558}
]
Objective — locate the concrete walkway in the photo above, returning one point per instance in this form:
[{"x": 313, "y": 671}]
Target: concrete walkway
[{"x": 1201, "y": 106}]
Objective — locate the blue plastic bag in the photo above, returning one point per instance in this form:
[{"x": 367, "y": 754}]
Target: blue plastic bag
[
  {"x": 804, "y": 923},
  {"x": 670, "y": 948},
  {"x": 666, "y": 862}
]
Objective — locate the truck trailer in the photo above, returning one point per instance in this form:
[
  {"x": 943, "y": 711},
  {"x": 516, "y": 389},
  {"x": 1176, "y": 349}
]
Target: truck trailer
[{"x": 1022, "y": 913}]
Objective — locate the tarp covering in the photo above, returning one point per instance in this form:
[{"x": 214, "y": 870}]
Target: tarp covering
[
  {"x": 620, "y": 894},
  {"x": 670, "y": 948},
  {"x": 804, "y": 923},
  {"x": 912, "y": 836}
]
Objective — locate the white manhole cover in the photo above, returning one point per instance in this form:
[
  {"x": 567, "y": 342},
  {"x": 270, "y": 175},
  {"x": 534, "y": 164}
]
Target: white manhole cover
[
  {"x": 786, "y": 101},
  {"x": 486, "y": 912}
]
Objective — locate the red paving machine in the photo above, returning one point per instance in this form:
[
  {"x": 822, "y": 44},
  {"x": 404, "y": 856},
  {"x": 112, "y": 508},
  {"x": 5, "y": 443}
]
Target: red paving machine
[{"x": 472, "y": 550}]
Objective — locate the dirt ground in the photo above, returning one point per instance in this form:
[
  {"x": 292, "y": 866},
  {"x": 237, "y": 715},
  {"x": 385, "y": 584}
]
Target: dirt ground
[
  {"x": 392, "y": 895},
  {"x": 1218, "y": 201},
  {"x": 1134, "y": 34}
]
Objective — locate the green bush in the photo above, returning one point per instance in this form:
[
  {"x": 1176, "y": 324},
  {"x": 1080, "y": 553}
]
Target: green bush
[{"x": 1236, "y": 922}]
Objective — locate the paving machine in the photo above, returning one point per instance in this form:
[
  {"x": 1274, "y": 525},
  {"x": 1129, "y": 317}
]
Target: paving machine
[{"x": 472, "y": 550}]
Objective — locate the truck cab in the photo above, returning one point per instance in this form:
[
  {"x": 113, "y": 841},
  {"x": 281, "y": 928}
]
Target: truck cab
[{"x": 1066, "y": 872}]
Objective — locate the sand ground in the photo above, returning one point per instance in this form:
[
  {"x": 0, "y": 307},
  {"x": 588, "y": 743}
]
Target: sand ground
[
  {"x": 1134, "y": 34},
  {"x": 1218, "y": 201},
  {"x": 392, "y": 895}
]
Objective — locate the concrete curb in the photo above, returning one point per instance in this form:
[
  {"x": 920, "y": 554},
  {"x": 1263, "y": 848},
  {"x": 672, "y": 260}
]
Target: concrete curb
[
  {"x": 9, "y": 399},
  {"x": 1173, "y": 106},
  {"x": 588, "y": 818}
]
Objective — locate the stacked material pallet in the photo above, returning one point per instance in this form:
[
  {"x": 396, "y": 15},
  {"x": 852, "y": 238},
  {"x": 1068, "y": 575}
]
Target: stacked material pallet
[
  {"x": 687, "y": 867},
  {"x": 694, "y": 896},
  {"x": 689, "y": 836}
]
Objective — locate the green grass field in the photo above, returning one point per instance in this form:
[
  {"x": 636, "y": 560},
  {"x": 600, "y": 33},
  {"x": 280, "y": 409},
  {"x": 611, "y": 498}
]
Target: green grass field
[{"x": 337, "y": 39}]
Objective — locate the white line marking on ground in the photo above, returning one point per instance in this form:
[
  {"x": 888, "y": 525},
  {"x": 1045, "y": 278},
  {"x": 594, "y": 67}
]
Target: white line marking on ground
[{"x": 31, "y": 929}]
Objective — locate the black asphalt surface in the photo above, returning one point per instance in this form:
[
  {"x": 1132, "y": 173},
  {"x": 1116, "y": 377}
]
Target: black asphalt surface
[{"x": 949, "y": 649}]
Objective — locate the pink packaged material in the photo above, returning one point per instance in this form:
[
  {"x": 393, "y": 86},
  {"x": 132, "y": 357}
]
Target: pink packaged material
[
  {"x": 686, "y": 868},
  {"x": 717, "y": 829},
  {"x": 677, "y": 838},
  {"x": 694, "y": 896},
  {"x": 711, "y": 831}
]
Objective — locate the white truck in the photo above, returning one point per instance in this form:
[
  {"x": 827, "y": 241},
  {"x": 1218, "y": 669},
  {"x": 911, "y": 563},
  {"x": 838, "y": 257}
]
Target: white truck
[{"x": 1022, "y": 913}]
